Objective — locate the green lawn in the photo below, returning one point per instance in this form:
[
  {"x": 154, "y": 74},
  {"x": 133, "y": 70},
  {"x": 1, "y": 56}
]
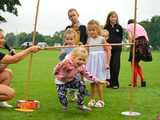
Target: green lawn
[{"x": 42, "y": 88}]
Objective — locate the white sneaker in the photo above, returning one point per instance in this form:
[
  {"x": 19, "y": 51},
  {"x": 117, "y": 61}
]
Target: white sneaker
[{"x": 5, "y": 105}]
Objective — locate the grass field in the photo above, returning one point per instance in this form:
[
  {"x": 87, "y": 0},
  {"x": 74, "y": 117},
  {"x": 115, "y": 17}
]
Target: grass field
[{"x": 42, "y": 88}]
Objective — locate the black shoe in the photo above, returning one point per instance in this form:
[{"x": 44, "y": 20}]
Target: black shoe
[{"x": 143, "y": 84}]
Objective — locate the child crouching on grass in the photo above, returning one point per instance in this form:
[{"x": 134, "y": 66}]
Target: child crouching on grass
[{"x": 65, "y": 73}]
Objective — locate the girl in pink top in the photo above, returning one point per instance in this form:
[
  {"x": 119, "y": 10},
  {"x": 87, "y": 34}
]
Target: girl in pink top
[
  {"x": 141, "y": 40},
  {"x": 140, "y": 31},
  {"x": 65, "y": 73}
]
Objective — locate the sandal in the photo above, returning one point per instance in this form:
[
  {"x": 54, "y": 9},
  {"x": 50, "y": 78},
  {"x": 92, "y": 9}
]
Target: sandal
[
  {"x": 99, "y": 104},
  {"x": 92, "y": 103}
]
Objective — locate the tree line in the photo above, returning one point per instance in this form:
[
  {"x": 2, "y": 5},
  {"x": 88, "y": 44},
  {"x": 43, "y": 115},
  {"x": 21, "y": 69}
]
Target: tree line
[
  {"x": 152, "y": 27},
  {"x": 16, "y": 40}
]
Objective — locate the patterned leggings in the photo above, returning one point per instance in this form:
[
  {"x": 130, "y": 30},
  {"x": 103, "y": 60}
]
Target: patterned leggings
[{"x": 62, "y": 90}]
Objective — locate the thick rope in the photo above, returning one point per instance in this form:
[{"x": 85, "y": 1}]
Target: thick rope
[{"x": 73, "y": 46}]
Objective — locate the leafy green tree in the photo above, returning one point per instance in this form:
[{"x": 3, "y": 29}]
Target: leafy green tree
[
  {"x": 21, "y": 38},
  {"x": 58, "y": 37},
  {"x": 10, "y": 39},
  {"x": 153, "y": 29},
  {"x": 39, "y": 38},
  {"x": 8, "y": 6},
  {"x": 49, "y": 40}
]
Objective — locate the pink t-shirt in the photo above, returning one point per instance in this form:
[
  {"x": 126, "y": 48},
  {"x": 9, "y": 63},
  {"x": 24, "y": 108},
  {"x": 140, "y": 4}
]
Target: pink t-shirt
[
  {"x": 140, "y": 31},
  {"x": 65, "y": 71}
]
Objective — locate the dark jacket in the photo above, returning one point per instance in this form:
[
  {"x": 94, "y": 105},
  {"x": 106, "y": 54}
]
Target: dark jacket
[
  {"x": 83, "y": 33},
  {"x": 115, "y": 34}
]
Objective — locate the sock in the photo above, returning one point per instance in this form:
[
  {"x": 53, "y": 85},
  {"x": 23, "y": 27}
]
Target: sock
[{"x": 140, "y": 73}]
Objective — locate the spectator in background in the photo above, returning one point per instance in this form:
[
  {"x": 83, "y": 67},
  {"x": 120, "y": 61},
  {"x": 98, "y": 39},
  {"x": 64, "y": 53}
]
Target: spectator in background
[
  {"x": 77, "y": 26},
  {"x": 115, "y": 36}
]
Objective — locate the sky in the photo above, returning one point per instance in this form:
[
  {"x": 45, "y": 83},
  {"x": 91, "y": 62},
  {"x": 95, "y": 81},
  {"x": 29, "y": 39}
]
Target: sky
[{"x": 53, "y": 13}]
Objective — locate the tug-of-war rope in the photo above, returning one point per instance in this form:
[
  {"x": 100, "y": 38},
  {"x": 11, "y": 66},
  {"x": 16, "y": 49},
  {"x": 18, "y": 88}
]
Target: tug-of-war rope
[
  {"x": 126, "y": 113},
  {"x": 73, "y": 46}
]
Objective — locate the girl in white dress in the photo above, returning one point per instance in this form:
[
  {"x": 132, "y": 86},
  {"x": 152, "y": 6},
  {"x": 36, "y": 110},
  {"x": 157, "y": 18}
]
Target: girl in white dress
[{"x": 97, "y": 61}]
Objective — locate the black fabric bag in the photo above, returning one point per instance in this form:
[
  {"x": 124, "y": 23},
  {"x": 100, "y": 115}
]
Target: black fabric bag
[
  {"x": 143, "y": 50},
  {"x": 147, "y": 56}
]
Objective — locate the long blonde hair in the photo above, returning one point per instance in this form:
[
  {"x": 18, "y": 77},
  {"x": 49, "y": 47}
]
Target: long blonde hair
[
  {"x": 79, "y": 52},
  {"x": 98, "y": 26}
]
